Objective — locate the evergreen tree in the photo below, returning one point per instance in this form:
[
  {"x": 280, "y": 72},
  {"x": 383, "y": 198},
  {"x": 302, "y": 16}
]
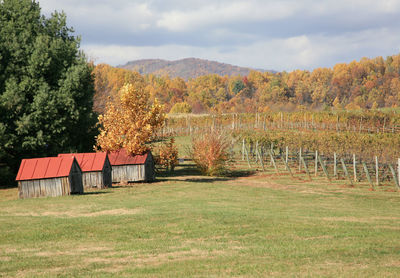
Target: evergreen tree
[{"x": 46, "y": 86}]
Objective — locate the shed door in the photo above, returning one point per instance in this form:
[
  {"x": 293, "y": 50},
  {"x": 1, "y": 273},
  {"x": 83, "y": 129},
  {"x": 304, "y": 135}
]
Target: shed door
[
  {"x": 76, "y": 180},
  {"x": 107, "y": 175}
]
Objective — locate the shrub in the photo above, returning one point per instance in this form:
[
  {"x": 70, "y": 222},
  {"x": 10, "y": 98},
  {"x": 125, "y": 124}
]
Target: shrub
[
  {"x": 210, "y": 152},
  {"x": 181, "y": 107},
  {"x": 167, "y": 155}
]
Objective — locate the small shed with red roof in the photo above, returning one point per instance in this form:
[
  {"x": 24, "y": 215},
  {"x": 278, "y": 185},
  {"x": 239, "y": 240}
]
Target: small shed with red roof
[
  {"x": 96, "y": 168},
  {"x": 49, "y": 177},
  {"x": 130, "y": 168}
]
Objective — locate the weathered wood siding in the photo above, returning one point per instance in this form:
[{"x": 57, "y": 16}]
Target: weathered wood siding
[
  {"x": 132, "y": 173},
  {"x": 119, "y": 173},
  {"x": 44, "y": 188},
  {"x": 135, "y": 172},
  {"x": 92, "y": 179},
  {"x": 128, "y": 173},
  {"x": 53, "y": 187},
  {"x": 97, "y": 179}
]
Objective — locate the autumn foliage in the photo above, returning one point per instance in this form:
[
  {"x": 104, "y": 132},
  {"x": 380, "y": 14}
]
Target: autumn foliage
[
  {"x": 364, "y": 145},
  {"x": 365, "y": 84},
  {"x": 210, "y": 152},
  {"x": 166, "y": 155},
  {"x": 129, "y": 121}
]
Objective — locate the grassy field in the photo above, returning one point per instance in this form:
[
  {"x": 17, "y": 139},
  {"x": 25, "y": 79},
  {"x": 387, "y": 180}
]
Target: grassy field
[{"x": 254, "y": 225}]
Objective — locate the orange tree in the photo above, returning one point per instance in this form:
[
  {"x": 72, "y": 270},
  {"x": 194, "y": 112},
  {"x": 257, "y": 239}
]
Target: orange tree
[
  {"x": 166, "y": 155},
  {"x": 129, "y": 121}
]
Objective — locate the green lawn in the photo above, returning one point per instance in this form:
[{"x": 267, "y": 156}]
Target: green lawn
[{"x": 193, "y": 226}]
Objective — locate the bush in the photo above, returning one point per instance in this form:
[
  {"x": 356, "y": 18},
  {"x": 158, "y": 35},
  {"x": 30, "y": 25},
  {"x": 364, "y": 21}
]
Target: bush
[
  {"x": 211, "y": 153},
  {"x": 167, "y": 155},
  {"x": 181, "y": 107}
]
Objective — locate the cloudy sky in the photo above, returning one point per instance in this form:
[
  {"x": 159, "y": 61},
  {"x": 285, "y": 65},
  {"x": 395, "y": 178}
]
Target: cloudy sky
[{"x": 267, "y": 34}]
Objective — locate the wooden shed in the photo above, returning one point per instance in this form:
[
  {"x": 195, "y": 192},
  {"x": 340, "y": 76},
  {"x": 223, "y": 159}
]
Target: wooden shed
[
  {"x": 128, "y": 168},
  {"x": 49, "y": 177},
  {"x": 96, "y": 169}
]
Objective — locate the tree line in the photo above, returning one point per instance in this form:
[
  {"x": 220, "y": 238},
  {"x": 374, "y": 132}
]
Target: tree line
[
  {"x": 365, "y": 84},
  {"x": 46, "y": 87}
]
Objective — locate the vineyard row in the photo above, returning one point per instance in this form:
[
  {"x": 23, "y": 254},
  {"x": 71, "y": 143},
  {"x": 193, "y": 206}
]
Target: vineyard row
[
  {"x": 362, "y": 122},
  {"x": 313, "y": 163}
]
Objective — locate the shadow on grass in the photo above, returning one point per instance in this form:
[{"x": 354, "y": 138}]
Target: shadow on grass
[
  {"x": 206, "y": 179},
  {"x": 8, "y": 186},
  {"x": 240, "y": 173},
  {"x": 117, "y": 186},
  {"x": 190, "y": 173},
  {"x": 181, "y": 171},
  {"x": 94, "y": 193}
]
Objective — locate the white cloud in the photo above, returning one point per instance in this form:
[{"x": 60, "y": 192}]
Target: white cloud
[
  {"x": 299, "y": 52},
  {"x": 117, "y": 54},
  {"x": 269, "y": 34},
  {"x": 225, "y": 13},
  {"x": 131, "y": 16},
  {"x": 354, "y": 7}
]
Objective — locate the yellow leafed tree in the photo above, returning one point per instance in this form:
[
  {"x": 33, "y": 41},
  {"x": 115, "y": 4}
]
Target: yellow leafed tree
[{"x": 129, "y": 121}]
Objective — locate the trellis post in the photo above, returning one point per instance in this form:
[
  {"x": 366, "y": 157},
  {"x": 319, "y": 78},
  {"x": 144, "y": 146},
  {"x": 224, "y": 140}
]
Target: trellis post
[
  {"x": 354, "y": 168},
  {"x": 305, "y": 167},
  {"x": 260, "y": 157},
  {"x": 346, "y": 172},
  {"x": 398, "y": 169},
  {"x": 287, "y": 167},
  {"x": 334, "y": 165},
  {"x": 243, "y": 146},
  {"x": 368, "y": 176},
  {"x": 256, "y": 151},
  {"x": 247, "y": 156},
  {"x": 376, "y": 170},
  {"x": 273, "y": 161},
  {"x": 396, "y": 181},
  {"x": 287, "y": 154},
  {"x": 324, "y": 168},
  {"x": 300, "y": 156}
]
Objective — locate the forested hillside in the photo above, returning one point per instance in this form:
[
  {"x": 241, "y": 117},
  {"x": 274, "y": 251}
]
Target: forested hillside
[
  {"x": 364, "y": 84},
  {"x": 184, "y": 68}
]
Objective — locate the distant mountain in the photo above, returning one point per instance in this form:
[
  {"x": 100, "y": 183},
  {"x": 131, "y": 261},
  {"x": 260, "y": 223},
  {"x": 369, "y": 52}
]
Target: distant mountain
[{"x": 185, "y": 68}]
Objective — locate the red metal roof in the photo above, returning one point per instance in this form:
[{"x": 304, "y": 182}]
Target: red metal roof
[
  {"x": 43, "y": 168},
  {"x": 121, "y": 157},
  {"x": 89, "y": 162}
]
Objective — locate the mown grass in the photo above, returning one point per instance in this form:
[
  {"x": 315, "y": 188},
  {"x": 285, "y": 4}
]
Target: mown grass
[
  {"x": 184, "y": 144},
  {"x": 192, "y": 226}
]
